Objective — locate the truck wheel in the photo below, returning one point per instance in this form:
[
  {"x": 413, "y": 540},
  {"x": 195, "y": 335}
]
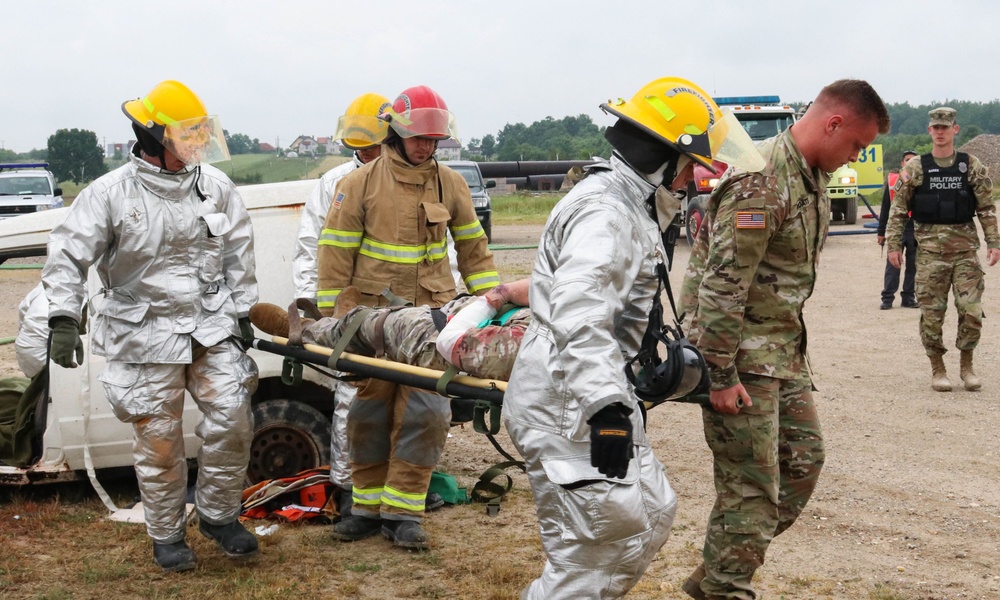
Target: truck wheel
[
  {"x": 851, "y": 211},
  {"x": 695, "y": 217},
  {"x": 288, "y": 437}
]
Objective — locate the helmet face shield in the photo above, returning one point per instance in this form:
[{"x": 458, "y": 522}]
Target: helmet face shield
[
  {"x": 196, "y": 141},
  {"x": 358, "y": 132},
  {"x": 436, "y": 123},
  {"x": 732, "y": 145}
]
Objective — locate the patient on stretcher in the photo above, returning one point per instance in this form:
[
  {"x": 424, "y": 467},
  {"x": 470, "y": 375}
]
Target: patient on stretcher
[{"x": 480, "y": 335}]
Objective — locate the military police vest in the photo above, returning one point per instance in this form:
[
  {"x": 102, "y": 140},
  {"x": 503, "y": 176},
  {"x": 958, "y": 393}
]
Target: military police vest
[{"x": 945, "y": 196}]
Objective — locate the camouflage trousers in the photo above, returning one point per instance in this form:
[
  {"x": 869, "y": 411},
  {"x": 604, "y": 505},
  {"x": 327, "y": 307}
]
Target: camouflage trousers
[
  {"x": 767, "y": 463},
  {"x": 936, "y": 274}
]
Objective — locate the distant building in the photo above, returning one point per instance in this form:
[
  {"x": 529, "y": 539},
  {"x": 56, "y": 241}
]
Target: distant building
[
  {"x": 448, "y": 149},
  {"x": 326, "y": 145},
  {"x": 304, "y": 145},
  {"x": 266, "y": 148},
  {"x": 118, "y": 147}
]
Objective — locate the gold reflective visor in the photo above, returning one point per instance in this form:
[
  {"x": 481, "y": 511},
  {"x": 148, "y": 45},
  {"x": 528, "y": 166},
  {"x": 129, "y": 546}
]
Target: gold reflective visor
[{"x": 197, "y": 141}]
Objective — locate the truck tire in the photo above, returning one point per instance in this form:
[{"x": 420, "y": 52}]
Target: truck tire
[
  {"x": 851, "y": 210},
  {"x": 288, "y": 437},
  {"x": 695, "y": 217}
]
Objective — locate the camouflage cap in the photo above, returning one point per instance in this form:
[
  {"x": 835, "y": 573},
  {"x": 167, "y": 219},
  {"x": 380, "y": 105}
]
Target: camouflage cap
[{"x": 942, "y": 115}]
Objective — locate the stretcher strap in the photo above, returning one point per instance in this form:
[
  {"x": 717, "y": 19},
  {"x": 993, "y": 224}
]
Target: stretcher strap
[
  {"x": 345, "y": 337},
  {"x": 442, "y": 383}
]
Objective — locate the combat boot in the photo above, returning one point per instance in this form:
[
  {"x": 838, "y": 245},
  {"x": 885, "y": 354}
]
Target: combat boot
[
  {"x": 692, "y": 586},
  {"x": 405, "y": 534},
  {"x": 969, "y": 377},
  {"x": 174, "y": 557},
  {"x": 270, "y": 319},
  {"x": 234, "y": 540},
  {"x": 939, "y": 376},
  {"x": 356, "y": 528}
]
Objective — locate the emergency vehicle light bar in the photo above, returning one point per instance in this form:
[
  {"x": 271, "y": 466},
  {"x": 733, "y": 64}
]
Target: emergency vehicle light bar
[
  {"x": 747, "y": 100},
  {"x": 24, "y": 166}
]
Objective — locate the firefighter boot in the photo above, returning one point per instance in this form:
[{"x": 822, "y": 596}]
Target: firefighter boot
[
  {"x": 939, "y": 376},
  {"x": 234, "y": 540},
  {"x": 405, "y": 534},
  {"x": 969, "y": 377},
  {"x": 270, "y": 319},
  {"x": 344, "y": 498},
  {"x": 356, "y": 528},
  {"x": 174, "y": 557}
]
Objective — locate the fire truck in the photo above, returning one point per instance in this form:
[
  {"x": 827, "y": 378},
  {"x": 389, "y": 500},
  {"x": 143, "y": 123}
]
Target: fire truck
[{"x": 764, "y": 117}]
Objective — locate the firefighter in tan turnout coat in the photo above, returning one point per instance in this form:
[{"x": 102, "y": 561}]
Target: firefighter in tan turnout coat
[{"x": 385, "y": 234}]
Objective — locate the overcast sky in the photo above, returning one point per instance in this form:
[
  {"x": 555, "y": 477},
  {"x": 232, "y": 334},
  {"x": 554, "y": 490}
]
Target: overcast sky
[{"x": 277, "y": 69}]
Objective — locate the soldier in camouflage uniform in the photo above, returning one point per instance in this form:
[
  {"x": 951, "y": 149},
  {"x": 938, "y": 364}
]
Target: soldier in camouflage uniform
[
  {"x": 945, "y": 189},
  {"x": 752, "y": 268}
]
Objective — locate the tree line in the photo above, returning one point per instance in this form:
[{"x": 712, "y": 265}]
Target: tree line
[
  {"x": 579, "y": 138},
  {"x": 75, "y": 155}
]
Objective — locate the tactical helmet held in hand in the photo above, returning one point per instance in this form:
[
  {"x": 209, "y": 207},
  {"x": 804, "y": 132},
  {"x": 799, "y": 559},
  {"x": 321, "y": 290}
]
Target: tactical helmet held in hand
[
  {"x": 175, "y": 117},
  {"x": 420, "y": 112},
  {"x": 684, "y": 117},
  {"x": 360, "y": 128}
]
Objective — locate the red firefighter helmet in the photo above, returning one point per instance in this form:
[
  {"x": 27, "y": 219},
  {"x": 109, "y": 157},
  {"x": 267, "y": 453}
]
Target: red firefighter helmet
[{"x": 420, "y": 111}]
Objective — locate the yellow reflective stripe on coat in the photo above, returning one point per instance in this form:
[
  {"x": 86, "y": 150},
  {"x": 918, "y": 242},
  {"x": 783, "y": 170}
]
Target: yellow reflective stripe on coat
[
  {"x": 467, "y": 232},
  {"x": 483, "y": 280},
  {"x": 340, "y": 238},
  {"x": 403, "y": 500},
  {"x": 367, "y": 496},
  {"x": 327, "y": 298},
  {"x": 403, "y": 254}
]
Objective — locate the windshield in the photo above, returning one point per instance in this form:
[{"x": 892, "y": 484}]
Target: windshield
[
  {"x": 760, "y": 127},
  {"x": 471, "y": 175},
  {"x": 21, "y": 186}
]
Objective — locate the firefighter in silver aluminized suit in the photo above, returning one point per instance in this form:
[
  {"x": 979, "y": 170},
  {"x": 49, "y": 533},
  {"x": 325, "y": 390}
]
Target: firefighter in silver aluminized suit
[
  {"x": 603, "y": 501},
  {"x": 173, "y": 246}
]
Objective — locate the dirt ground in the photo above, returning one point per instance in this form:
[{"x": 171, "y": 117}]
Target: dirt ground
[{"x": 908, "y": 505}]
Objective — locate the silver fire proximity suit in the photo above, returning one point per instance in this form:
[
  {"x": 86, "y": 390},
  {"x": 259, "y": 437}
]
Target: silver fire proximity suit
[
  {"x": 32, "y": 332},
  {"x": 304, "y": 277},
  {"x": 174, "y": 252},
  {"x": 591, "y": 291}
]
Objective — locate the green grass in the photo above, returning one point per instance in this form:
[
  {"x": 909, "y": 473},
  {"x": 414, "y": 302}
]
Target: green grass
[
  {"x": 266, "y": 168},
  {"x": 245, "y": 169},
  {"x": 523, "y": 208}
]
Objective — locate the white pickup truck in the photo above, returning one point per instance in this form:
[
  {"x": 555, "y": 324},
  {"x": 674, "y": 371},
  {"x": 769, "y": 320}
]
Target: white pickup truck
[
  {"x": 27, "y": 188},
  {"x": 292, "y": 429}
]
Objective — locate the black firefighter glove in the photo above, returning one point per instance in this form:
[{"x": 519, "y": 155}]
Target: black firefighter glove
[
  {"x": 65, "y": 342},
  {"x": 246, "y": 333},
  {"x": 611, "y": 440}
]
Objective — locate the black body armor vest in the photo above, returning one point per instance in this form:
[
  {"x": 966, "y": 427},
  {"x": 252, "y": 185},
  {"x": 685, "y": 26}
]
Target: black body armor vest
[{"x": 945, "y": 196}]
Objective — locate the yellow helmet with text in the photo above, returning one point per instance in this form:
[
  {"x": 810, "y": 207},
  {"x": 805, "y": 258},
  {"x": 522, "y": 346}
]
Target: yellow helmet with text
[
  {"x": 684, "y": 117},
  {"x": 359, "y": 127},
  {"x": 176, "y": 117}
]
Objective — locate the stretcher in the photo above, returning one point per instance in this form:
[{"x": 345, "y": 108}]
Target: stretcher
[{"x": 487, "y": 393}]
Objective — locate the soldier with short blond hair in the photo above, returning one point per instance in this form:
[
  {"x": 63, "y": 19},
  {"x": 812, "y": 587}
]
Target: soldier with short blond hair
[{"x": 752, "y": 268}]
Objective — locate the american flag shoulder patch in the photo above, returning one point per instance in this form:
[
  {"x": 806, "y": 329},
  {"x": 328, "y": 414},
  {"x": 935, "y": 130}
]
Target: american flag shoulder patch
[
  {"x": 338, "y": 201},
  {"x": 750, "y": 219}
]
